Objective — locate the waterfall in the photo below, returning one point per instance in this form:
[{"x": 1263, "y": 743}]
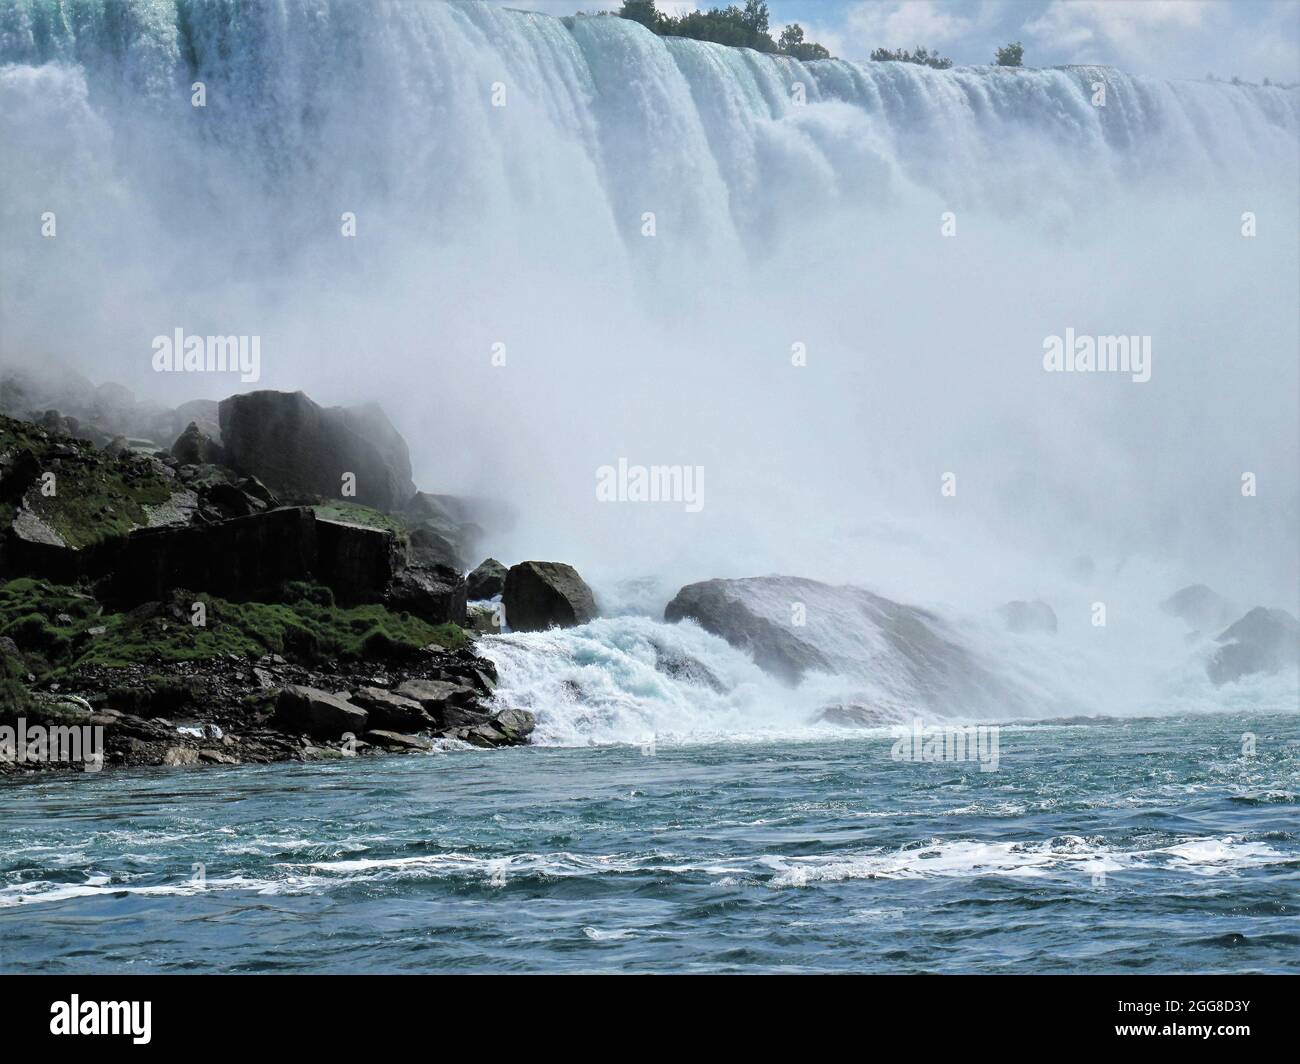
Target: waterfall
[{"x": 646, "y": 228}]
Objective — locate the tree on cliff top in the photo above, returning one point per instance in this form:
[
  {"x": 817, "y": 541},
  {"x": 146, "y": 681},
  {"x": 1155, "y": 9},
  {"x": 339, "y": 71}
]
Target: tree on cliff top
[
  {"x": 922, "y": 56},
  {"x": 737, "y": 26},
  {"x": 1011, "y": 55}
]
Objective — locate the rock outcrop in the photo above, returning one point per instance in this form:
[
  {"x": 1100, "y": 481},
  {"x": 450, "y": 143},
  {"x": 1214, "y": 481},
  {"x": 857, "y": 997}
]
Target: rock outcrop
[
  {"x": 1263, "y": 641},
  {"x": 540, "y": 595},
  {"x": 300, "y": 449}
]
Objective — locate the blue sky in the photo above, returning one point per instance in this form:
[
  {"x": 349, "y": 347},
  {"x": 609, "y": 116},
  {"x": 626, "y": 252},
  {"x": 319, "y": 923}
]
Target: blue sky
[{"x": 1252, "y": 39}]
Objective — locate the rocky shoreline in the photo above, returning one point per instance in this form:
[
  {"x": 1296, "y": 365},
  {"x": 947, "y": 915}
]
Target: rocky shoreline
[
  {"x": 269, "y": 586},
  {"x": 272, "y": 586}
]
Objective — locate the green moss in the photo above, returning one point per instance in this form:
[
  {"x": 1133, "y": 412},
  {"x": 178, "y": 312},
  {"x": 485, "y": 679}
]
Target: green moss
[
  {"x": 308, "y": 628},
  {"x": 356, "y": 514},
  {"x": 14, "y": 699},
  {"x": 96, "y": 497}
]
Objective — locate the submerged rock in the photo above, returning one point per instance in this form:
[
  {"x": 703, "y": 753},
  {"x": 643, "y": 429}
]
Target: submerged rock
[{"x": 541, "y": 595}]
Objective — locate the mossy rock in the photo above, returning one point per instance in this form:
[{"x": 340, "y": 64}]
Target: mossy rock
[{"x": 97, "y": 496}]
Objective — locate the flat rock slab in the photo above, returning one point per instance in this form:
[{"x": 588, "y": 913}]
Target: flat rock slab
[{"x": 318, "y": 713}]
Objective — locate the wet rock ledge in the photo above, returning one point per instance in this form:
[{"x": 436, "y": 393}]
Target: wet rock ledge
[{"x": 225, "y": 598}]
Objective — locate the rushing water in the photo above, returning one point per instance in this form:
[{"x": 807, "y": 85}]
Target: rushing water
[{"x": 1107, "y": 845}]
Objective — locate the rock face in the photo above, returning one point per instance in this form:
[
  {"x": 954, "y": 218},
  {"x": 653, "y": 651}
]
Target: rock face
[
  {"x": 775, "y": 649},
  {"x": 254, "y": 555},
  {"x": 541, "y": 595},
  {"x": 241, "y": 557},
  {"x": 318, "y": 713},
  {"x": 1203, "y": 609},
  {"x": 356, "y": 561},
  {"x": 1263, "y": 641},
  {"x": 487, "y": 581},
  {"x": 1036, "y": 616},
  {"x": 301, "y": 449}
]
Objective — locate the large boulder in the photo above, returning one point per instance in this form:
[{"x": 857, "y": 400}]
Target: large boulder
[
  {"x": 541, "y": 595},
  {"x": 1263, "y": 641},
  {"x": 715, "y": 607},
  {"x": 318, "y": 713},
  {"x": 434, "y": 593},
  {"x": 299, "y": 448},
  {"x": 487, "y": 581},
  {"x": 895, "y": 658},
  {"x": 1201, "y": 608},
  {"x": 1036, "y": 616}
]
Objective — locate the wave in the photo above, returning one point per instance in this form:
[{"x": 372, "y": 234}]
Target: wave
[{"x": 1069, "y": 858}]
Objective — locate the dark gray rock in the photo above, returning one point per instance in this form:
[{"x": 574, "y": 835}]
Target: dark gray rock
[
  {"x": 713, "y": 606},
  {"x": 448, "y": 704},
  {"x": 357, "y": 561},
  {"x": 391, "y": 740},
  {"x": 318, "y": 714},
  {"x": 510, "y": 727},
  {"x": 433, "y": 593},
  {"x": 242, "y": 557},
  {"x": 487, "y": 581},
  {"x": 1036, "y": 616},
  {"x": 1263, "y": 641},
  {"x": 516, "y": 724},
  {"x": 427, "y": 547},
  {"x": 300, "y": 449},
  {"x": 392, "y": 711},
  {"x": 194, "y": 447},
  {"x": 541, "y": 595}
]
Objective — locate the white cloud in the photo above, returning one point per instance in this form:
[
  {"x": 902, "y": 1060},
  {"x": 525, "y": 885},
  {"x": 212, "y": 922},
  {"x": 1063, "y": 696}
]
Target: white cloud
[{"x": 1175, "y": 38}]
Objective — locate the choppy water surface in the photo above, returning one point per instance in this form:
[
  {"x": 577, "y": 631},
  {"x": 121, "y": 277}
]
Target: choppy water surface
[{"x": 1123, "y": 845}]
